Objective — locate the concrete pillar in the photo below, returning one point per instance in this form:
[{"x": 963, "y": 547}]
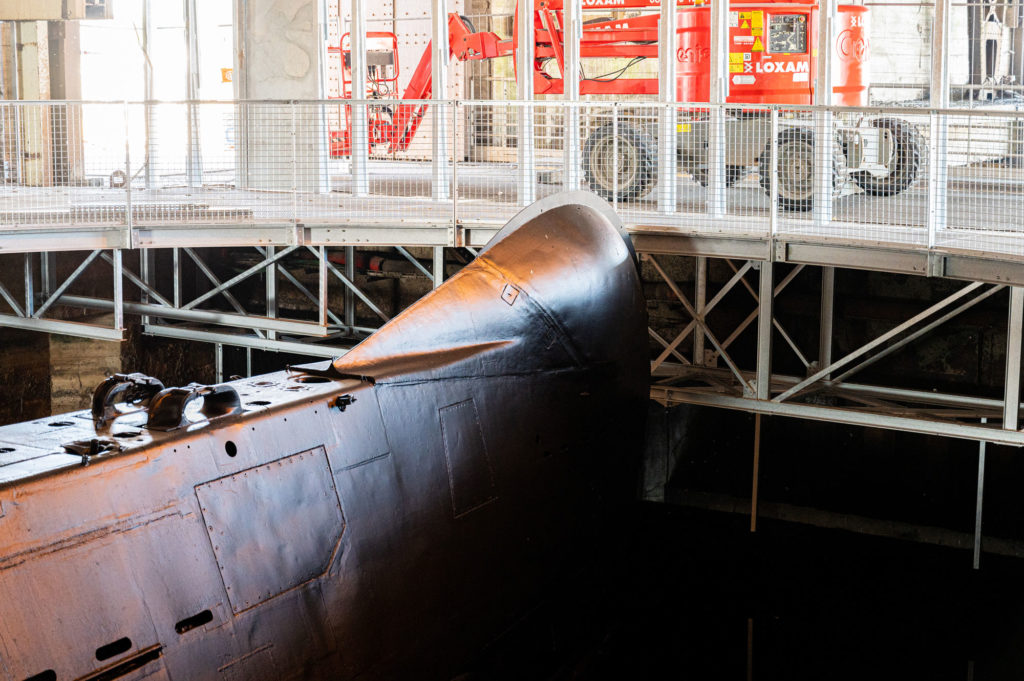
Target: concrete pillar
[
  {"x": 34, "y": 83},
  {"x": 65, "y": 55},
  {"x": 278, "y": 57}
]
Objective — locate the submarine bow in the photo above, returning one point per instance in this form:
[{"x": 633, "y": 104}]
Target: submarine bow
[{"x": 556, "y": 289}]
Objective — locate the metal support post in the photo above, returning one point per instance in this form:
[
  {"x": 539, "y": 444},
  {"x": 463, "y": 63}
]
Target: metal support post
[
  {"x": 19, "y": 148},
  {"x": 248, "y": 362},
  {"x": 176, "y": 266},
  {"x": 824, "y": 182},
  {"x": 47, "y": 273},
  {"x": 526, "y": 180},
  {"x": 439, "y": 92},
  {"x": 773, "y": 193},
  {"x": 438, "y": 266},
  {"x": 293, "y": 107},
  {"x": 360, "y": 134},
  {"x": 118, "y": 289},
  {"x": 699, "y": 304},
  {"x": 243, "y": 116},
  {"x": 757, "y": 472},
  {"x": 716, "y": 200},
  {"x": 146, "y": 274},
  {"x": 828, "y": 288},
  {"x": 765, "y": 313},
  {"x": 194, "y": 159},
  {"x": 1011, "y": 396},
  {"x": 271, "y": 288},
  {"x": 350, "y": 298},
  {"x": 219, "y": 363},
  {"x": 615, "y": 155},
  {"x": 147, "y": 72},
  {"x": 667, "y": 39},
  {"x": 938, "y": 178},
  {"x": 30, "y": 286},
  {"x": 458, "y": 114},
  {"x": 129, "y": 212},
  {"x": 322, "y": 299},
  {"x": 979, "y": 501},
  {"x": 573, "y": 33}
]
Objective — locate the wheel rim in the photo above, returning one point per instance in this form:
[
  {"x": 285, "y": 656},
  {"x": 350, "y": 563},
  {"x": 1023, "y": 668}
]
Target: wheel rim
[
  {"x": 796, "y": 170},
  {"x": 601, "y": 165}
]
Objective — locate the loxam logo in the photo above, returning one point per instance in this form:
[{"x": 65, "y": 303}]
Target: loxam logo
[{"x": 781, "y": 67}]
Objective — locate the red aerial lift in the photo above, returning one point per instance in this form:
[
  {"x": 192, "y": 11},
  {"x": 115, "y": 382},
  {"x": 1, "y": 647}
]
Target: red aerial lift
[{"x": 772, "y": 60}]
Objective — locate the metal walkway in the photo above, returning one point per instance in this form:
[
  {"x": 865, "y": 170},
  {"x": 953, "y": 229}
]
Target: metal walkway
[{"x": 264, "y": 179}]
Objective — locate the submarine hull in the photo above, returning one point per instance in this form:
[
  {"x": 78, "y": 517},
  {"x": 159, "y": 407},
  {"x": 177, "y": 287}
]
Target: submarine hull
[{"x": 381, "y": 516}]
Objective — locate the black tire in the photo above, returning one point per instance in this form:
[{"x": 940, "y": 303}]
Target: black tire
[
  {"x": 733, "y": 174},
  {"x": 906, "y": 161},
  {"x": 638, "y": 165},
  {"x": 796, "y": 170}
]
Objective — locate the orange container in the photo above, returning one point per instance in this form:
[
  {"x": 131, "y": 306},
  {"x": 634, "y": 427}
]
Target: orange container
[{"x": 773, "y": 54}]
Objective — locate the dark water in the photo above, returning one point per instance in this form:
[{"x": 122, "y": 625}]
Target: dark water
[{"x": 693, "y": 595}]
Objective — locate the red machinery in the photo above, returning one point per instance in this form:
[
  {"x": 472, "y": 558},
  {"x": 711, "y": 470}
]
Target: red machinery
[{"x": 772, "y": 60}]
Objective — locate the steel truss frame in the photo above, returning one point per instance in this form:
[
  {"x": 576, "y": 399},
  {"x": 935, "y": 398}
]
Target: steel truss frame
[
  {"x": 169, "y": 315},
  {"x": 827, "y": 392}
]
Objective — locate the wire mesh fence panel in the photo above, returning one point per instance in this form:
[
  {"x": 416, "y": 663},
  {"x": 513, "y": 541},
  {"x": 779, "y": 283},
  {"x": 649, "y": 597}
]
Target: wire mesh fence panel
[
  {"x": 63, "y": 163},
  {"x": 985, "y": 182},
  {"x": 549, "y": 140},
  {"x": 747, "y": 134},
  {"x": 185, "y": 164},
  {"x": 911, "y": 177},
  {"x": 489, "y": 173},
  {"x": 383, "y": 165},
  {"x": 270, "y": 141},
  {"x": 854, "y": 174}
]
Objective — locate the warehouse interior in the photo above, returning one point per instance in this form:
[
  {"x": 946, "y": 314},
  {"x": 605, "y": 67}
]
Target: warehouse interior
[{"x": 829, "y": 247}]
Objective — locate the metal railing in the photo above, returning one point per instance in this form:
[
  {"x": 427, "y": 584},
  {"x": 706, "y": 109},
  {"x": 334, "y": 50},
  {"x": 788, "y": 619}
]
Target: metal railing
[{"x": 958, "y": 178}]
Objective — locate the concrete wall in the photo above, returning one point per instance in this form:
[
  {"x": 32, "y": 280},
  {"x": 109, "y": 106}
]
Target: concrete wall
[{"x": 280, "y": 58}]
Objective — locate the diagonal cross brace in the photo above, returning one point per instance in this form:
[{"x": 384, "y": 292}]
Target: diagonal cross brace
[
  {"x": 416, "y": 263},
  {"x": 864, "y": 349},
  {"x": 131, "y": 276},
  {"x": 920, "y": 332},
  {"x": 215, "y": 280},
  {"x": 239, "y": 277},
  {"x": 753, "y": 315},
  {"x": 303, "y": 290},
  {"x": 671, "y": 347},
  {"x": 775, "y": 322},
  {"x": 55, "y": 296},
  {"x": 351, "y": 285},
  {"x": 693, "y": 313},
  {"x": 6, "y": 295}
]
